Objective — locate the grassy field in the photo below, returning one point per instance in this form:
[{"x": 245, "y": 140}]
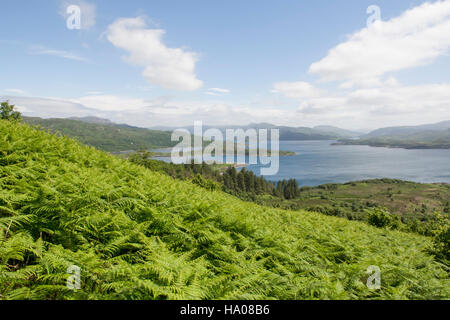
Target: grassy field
[
  {"x": 399, "y": 197},
  {"x": 137, "y": 234},
  {"x": 411, "y": 202}
]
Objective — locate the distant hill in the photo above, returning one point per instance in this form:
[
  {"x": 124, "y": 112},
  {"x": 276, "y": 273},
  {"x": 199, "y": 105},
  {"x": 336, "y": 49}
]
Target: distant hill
[
  {"x": 338, "y": 131},
  {"x": 408, "y": 130},
  {"x": 92, "y": 120},
  {"x": 104, "y": 134},
  {"x": 286, "y": 133},
  {"x": 408, "y": 139}
]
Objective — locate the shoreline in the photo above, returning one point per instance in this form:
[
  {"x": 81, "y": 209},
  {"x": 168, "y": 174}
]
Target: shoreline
[
  {"x": 235, "y": 165},
  {"x": 393, "y": 146}
]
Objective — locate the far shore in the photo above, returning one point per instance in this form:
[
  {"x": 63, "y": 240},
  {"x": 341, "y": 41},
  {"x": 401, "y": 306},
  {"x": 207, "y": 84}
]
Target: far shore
[{"x": 160, "y": 154}]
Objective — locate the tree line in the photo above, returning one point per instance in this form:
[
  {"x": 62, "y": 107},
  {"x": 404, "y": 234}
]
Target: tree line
[{"x": 243, "y": 183}]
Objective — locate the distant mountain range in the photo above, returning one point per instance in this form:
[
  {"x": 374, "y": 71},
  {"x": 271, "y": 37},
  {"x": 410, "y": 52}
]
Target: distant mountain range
[
  {"x": 408, "y": 130},
  {"x": 286, "y": 133},
  {"x": 109, "y": 136},
  {"x": 338, "y": 131},
  {"x": 429, "y": 136}
]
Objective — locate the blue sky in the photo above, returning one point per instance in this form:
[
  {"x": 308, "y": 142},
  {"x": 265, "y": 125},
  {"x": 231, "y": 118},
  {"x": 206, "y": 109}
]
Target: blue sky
[{"x": 228, "y": 62}]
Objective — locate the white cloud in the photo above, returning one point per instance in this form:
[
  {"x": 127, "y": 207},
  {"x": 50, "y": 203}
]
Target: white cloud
[
  {"x": 22, "y": 109},
  {"x": 415, "y": 38},
  {"x": 41, "y": 50},
  {"x": 367, "y": 107},
  {"x": 217, "y": 91},
  {"x": 15, "y": 91},
  {"x": 366, "y": 93},
  {"x": 165, "y": 111},
  {"x": 110, "y": 103},
  {"x": 389, "y": 104},
  {"x": 171, "y": 68},
  {"x": 87, "y": 10},
  {"x": 49, "y": 107},
  {"x": 156, "y": 112}
]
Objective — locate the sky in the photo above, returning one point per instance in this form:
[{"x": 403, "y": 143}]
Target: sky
[{"x": 355, "y": 64}]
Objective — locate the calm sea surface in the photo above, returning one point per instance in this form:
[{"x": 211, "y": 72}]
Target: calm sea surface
[{"x": 318, "y": 162}]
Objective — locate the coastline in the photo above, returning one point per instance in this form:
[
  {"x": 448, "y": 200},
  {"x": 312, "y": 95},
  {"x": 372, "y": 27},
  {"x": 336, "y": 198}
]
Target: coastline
[{"x": 392, "y": 145}]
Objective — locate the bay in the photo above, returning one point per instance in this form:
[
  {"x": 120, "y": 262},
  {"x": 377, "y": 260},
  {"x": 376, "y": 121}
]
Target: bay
[{"x": 319, "y": 162}]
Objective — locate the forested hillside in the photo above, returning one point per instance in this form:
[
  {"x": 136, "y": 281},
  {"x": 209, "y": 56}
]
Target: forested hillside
[
  {"x": 138, "y": 234},
  {"x": 418, "y": 140},
  {"x": 105, "y": 136},
  {"x": 429, "y": 136},
  {"x": 408, "y": 130}
]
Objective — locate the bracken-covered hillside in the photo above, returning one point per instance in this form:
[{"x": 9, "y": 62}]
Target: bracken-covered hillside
[{"x": 137, "y": 234}]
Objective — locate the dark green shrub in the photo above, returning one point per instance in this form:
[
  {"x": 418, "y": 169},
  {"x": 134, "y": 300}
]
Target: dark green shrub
[{"x": 379, "y": 218}]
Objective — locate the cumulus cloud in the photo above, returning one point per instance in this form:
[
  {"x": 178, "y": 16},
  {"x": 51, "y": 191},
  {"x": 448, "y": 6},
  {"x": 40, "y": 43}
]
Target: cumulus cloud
[
  {"x": 171, "y": 68},
  {"x": 171, "y": 112},
  {"x": 366, "y": 92},
  {"x": 415, "y": 38},
  {"x": 49, "y": 107},
  {"x": 366, "y": 107},
  {"x": 87, "y": 11},
  {"x": 386, "y": 105},
  {"x": 160, "y": 111}
]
